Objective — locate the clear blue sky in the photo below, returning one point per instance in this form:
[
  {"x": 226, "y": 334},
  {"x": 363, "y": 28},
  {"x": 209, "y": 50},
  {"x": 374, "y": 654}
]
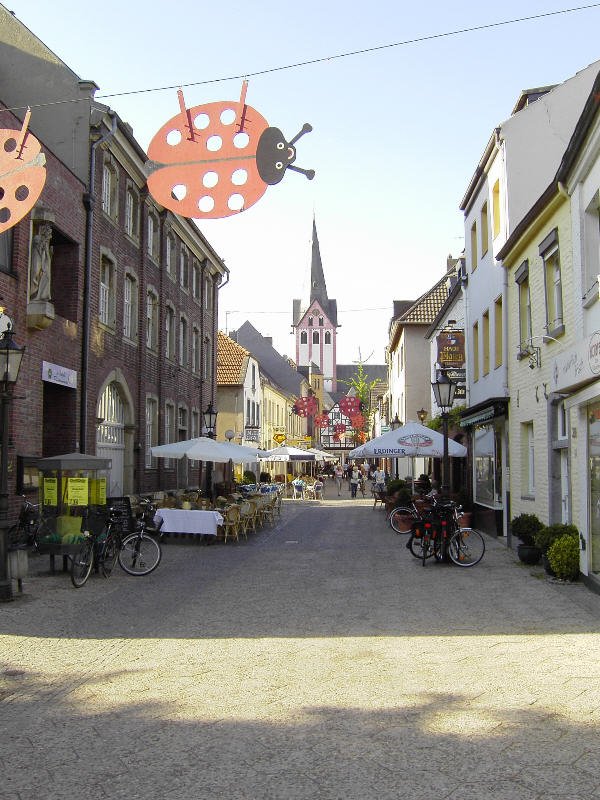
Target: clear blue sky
[{"x": 397, "y": 132}]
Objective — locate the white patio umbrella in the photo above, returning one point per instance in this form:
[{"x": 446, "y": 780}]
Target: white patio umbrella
[
  {"x": 205, "y": 449},
  {"x": 411, "y": 439},
  {"x": 287, "y": 453},
  {"x": 320, "y": 455}
]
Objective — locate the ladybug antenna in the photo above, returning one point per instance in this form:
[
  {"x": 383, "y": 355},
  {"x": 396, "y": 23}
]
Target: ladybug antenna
[
  {"x": 306, "y": 128},
  {"x": 310, "y": 173}
]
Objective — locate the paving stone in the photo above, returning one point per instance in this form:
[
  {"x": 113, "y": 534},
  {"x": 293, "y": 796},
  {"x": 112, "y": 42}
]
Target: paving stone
[{"x": 334, "y": 667}]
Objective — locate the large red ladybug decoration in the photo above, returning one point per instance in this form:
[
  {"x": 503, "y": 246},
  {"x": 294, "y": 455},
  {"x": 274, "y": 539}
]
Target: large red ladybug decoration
[
  {"x": 306, "y": 406},
  {"x": 22, "y": 173},
  {"x": 218, "y": 159},
  {"x": 349, "y": 405}
]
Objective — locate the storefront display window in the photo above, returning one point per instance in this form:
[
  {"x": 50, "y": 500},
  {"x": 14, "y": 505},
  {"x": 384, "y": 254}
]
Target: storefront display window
[
  {"x": 594, "y": 457},
  {"x": 487, "y": 464}
]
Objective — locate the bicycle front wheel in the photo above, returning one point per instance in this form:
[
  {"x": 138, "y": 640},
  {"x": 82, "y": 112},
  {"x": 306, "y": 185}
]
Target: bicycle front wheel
[
  {"x": 109, "y": 555},
  {"x": 466, "y": 547},
  {"x": 140, "y": 554},
  {"x": 82, "y": 563},
  {"x": 401, "y": 519}
]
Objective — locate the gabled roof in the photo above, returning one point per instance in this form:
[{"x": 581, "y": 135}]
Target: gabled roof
[
  {"x": 232, "y": 361},
  {"x": 424, "y": 310},
  {"x": 272, "y": 362}
]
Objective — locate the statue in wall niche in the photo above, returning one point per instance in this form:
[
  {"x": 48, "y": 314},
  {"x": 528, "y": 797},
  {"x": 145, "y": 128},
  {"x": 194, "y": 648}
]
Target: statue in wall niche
[{"x": 41, "y": 263}]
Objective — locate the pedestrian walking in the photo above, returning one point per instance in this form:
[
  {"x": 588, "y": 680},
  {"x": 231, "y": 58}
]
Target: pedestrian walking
[
  {"x": 354, "y": 480},
  {"x": 339, "y": 476}
]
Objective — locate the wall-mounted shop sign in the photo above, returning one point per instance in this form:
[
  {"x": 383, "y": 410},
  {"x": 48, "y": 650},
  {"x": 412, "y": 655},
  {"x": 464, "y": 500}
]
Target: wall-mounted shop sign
[
  {"x": 578, "y": 364},
  {"x": 451, "y": 348},
  {"x": 54, "y": 373}
]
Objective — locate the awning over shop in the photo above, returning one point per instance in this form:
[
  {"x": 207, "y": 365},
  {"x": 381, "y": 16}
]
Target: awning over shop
[{"x": 490, "y": 409}]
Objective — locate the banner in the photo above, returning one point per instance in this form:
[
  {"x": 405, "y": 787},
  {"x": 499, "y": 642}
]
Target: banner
[{"x": 451, "y": 349}]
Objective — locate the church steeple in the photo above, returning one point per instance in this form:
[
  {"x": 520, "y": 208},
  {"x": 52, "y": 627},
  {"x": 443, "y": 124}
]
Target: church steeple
[
  {"x": 316, "y": 326},
  {"x": 318, "y": 287}
]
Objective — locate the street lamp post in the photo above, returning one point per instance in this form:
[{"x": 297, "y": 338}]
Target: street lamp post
[
  {"x": 394, "y": 425},
  {"x": 10, "y": 363},
  {"x": 443, "y": 390},
  {"x": 210, "y": 426}
]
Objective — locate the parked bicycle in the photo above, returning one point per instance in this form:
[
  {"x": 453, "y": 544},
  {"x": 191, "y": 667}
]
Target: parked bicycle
[
  {"x": 437, "y": 533},
  {"x": 138, "y": 553},
  {"x": 29, "y": 528}
]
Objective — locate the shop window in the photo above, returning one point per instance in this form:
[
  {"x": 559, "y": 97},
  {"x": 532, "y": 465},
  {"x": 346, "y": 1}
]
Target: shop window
[{"x": 27, "y": 474}]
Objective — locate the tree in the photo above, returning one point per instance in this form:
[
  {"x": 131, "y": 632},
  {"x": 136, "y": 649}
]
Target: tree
[{"x": 363, "y": 389}]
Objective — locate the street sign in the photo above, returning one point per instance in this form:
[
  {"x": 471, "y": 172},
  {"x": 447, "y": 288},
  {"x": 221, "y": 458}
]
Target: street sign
[
  {"x": 385, "y": 428},
  {"x": 279, "y": 438},
  {"x": 456, "y": 374}
]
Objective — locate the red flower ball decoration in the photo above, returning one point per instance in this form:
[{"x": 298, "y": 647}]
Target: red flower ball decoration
[
  {"x": 350, "y": 406},
  {"x": 357, "y": 421},
  {"x": 306, "y": 406},
  {"x": 362, "y": 437},
  {"x": 322, "y": 421},
  {"x": 339, "y": 428}
]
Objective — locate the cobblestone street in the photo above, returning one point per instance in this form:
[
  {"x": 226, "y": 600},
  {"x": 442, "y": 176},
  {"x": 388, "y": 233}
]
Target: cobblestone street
[{"x": 317, "y": 660}]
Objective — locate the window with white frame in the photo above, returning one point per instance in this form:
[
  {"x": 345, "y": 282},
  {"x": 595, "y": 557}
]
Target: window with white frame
[
  {"x": 151, "y": 430},
  {"x": 130, "y": 302},
  {"x": 109, "y": 190},
  {"x": 524, "y": 301},
  {"x": 152, "y": 241},
  {"x": 169, "y": 428},
  {"x": 196, "y": 280},
  {"x": 182, "y": 424},
  {"x": 195, "y": 350},
  {"x": 591, "y": 245},
  {"x": 170, "y": 332},
  {"x": 184, "y": 268},
  {"x": 327, "y": 337},
  {"x": 183, "y": 342},
  {"x": 171, "y": 255},
  {"x": 549, "y": 252},
  {"x": 303, "y": 337},
  {"x": 528, "y": 466},
  {"x": 561, "y": 414},
  {"x": 151, "y": 319},
  {"x": 132, "y": 213},
  {"x": 315, "y": 337},
  {"x": 208, "y": 289},
  {"x": 106, "y": 307}
]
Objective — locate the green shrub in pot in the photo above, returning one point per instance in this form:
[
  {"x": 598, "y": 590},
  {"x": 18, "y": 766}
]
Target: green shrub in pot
[
  {"x": 525, "y": 526},
  {"x": 563, "y": 555},
  {"x": 550, "y": 533}
]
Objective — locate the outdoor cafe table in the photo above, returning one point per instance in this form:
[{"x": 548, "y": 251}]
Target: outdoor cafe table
[{"x": 177, "y": 520}]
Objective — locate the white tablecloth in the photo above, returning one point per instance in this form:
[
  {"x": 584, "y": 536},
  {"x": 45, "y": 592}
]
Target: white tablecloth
[{"x": 176, "y": 520}]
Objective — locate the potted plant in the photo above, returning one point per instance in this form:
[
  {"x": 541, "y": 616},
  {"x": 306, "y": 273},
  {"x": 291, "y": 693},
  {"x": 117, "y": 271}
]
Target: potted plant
[
  {"x": 563, "y": 555},
  {"x": 397, "y": 494},
  {"x": 545, "y": 537},
  {"x": 524, "y": 527}
]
